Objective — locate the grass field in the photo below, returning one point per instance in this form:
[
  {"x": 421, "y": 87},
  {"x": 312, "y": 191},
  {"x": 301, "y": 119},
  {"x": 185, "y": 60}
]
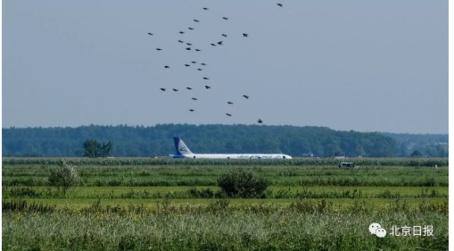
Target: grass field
[{"x": 147, "y": 204}]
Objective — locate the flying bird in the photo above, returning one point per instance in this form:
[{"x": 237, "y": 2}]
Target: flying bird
[
  {"x": 188, "y": 48},
  {"x": 195, "y": 99},
  {"x": 191, "y": 110},
  {"x": 196, "y": 20},
  {"x": 180, "y": 41},
  {"x": 163, "y": 89},
  {"x": 149, "y": 33},
  {"x": 220, "y": 42},
  {"x": 190, "y": 28},
  {"x": 245, "y": 35},
  {"x": 224, "y": 35},
  {"x": 158, "y": 49},
  {"x": 228, "y": 114},
  {"x": 174, "y": 89},
  {"x": 207, "y": 87},
  {"x": 230, "y": 102},
  {"x": 225, "y": 18},
  {"x": 280, "y": 5},
  {"x": 181, "y": 32},
  {"x": 189, "y": 88},
  {"x": 187, "y": 65},
  {"x": 205, "y": 78},
  {"x": 199, "y": 69},
  {"x": 203, "y": 64},
  {"x": 260, "y": 121},
  {"x": 198, "y": 50},
  {"x": 194, "y": 62},
  {"x": 213, "y": 44},
  {"x": 246, "y": 96},
  {"x": 189, "y": 44},
  {"x": 166, "y": 66},
  {"x": 205, "y": 8}
]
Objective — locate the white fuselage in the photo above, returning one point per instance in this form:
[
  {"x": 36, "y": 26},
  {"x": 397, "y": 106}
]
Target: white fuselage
[
  {"x": 182, "y": 151},
  {"x": 235, "y": 156}
]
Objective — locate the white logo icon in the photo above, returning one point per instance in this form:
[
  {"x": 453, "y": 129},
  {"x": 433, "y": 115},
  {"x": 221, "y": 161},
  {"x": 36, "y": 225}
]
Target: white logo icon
[{"x": 377, "y": 230}]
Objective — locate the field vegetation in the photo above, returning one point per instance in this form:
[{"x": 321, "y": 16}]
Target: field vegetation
[{"x": 158, "y": 204}]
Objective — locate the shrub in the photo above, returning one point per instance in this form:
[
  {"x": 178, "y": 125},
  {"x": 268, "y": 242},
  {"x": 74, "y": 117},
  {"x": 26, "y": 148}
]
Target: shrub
[
  {"x": 63, "y": 177},
  {"x": 242, "y": 184}
]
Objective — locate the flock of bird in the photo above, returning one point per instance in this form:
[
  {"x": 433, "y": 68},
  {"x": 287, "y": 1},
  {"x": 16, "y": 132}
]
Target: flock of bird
[{"x": 199, "y": 66}]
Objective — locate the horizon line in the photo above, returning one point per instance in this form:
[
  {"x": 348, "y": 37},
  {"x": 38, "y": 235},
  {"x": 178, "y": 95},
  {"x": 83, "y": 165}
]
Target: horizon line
[{"x": 217, "y": 124}]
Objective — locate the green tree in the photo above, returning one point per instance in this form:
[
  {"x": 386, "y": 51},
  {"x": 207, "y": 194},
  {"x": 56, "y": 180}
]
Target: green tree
[
  {"x": 93, "y": 148},
  {"x": 63, "y": 176},
  {"x": 157, "y": 140},
  {"x": 105, "y": 149},
  {"x": 90, "y": 148},
  {"x": 243, "y": 184}
]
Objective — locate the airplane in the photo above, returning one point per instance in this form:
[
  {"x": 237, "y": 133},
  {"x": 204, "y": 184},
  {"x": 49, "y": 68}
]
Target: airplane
[{"x": 182, "y": 151}]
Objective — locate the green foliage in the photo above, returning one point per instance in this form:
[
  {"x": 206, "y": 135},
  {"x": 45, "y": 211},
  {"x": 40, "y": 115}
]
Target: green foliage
[
  {"x": 116, "y": 215},
  {"x": 157, "y": 140},
  {"x": 304, "y": 227},
  {"x": 416, "y": 153},
  {"x": 433, "y": 145},
  {"x": 63, "y": 176},
  {"x": 90, "y": 148},
  {"x": 93, "y": 149},
  {"x": 204, "y": 193},
  {"x": 136, "y": 173},
  {"x": 24, "y": 206},
  {"x": 243, "y": 184},
  {"x": 218, "y": 206},
  {"x": 296, "y": 162}
]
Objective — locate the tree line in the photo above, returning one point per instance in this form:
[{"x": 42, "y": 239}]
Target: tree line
[{"x": 157, "y": 141}]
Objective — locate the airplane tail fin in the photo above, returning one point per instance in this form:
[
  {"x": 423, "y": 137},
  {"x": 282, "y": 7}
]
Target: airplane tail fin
[{"x": 180, "y": 147}]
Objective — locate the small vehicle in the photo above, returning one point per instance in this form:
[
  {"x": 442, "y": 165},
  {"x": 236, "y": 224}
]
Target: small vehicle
[{"x": 346, "y": 164}]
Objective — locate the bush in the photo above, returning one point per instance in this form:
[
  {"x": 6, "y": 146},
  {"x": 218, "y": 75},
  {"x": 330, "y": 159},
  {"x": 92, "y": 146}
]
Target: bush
[
  {"x": 243, "y": 184},
  {"x": 63, "y": 177}
]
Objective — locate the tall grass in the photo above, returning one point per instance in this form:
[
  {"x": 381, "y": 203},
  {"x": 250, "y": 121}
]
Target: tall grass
[
  {"x": 163, "y": 204},
  {"x": 300, "y": 229},
  {"x": 213, "y": 193}
]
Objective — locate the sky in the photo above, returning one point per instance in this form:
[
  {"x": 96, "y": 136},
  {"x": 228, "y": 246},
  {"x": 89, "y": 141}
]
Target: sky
[{"x": 349, "y": 65}]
